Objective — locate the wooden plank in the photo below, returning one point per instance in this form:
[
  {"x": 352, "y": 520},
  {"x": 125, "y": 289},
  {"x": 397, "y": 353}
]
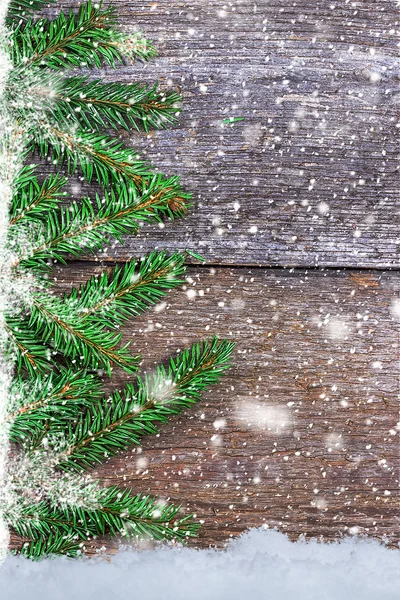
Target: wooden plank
[
  {"x": 302, "y": 434},
  {"x": 310, "y": 176}
]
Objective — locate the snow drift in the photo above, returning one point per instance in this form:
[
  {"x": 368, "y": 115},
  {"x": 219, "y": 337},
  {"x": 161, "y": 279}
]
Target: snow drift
[{"x": 261, "y": 565}]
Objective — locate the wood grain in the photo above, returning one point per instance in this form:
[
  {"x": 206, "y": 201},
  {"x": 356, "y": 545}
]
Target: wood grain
[
  {"x": 302, "y": 433},
  {"x": 314, "y": 164}
]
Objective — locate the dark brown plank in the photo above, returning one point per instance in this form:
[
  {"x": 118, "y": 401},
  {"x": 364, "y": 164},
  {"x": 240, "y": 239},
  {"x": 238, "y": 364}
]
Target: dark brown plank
[
  {"x": 313, "y": 164},
  {"x": 318, "y": 349},
  {"x": 302, "y": 434}
]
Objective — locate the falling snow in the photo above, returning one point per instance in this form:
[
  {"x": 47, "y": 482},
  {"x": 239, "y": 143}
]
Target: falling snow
[{"x": 305, "y": 179}]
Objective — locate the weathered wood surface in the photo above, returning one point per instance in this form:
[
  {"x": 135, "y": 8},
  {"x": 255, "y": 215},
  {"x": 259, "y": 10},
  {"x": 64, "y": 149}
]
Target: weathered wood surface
[
  {"x": 313, "y": 168},
  {"x": 302, "y": 433},
  {"x": 313, "y": 164}
]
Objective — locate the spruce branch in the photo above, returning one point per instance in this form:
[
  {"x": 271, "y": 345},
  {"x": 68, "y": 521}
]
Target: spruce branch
[
  {"x": 55, "y": 396},
  {"x": 95, "y": 153},
  {"x": 95, "y": 348},
  {"x": 120, "y": 422},
  {"x": 52, "y": 545},
  {"x": 77, "y": 325},
  {"x": 39, "y": 520},
  {"x": 142, "y": 517},
  {"x": 106, "y": 159},
  {"x": 116, "y": 512},
  {"x": 31, "y": 200},
  {"x": 57, "y": 415},
  {"x": 93, "y": 104},
  {"x": 79, "y": 227},
  {"x": 85, "y": 39},
  {"x": 24, "y": 345},
  {"x": 127, "y": 291},
  {"x": 23, "y": 9}
]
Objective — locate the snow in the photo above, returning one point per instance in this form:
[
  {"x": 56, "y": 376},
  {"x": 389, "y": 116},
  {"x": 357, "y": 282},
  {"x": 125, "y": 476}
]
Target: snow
[
  {"x": 261, "y": 565},
  {"x": 395, "y": 309},
  {"x": 5, "y": 195},
  {"x": 263, "y": 417}
]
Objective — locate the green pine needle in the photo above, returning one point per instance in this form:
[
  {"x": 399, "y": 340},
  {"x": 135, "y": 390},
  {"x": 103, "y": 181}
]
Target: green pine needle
[
  {"x": 106, "y": 160},
  {"x": 93, "y": 347},
  {"x": 51, "y": 545},
  {"x": 88, "y": 225},
  {"x": 85, "y": 39},
  {"x": 32, "y": 200},
  {"x": 119, "y": 422},
  {"x": 23, "y": 9},
  {"x": 116, "y": 512},
  {"x": 24, "y": 345},
  {"x": 55, "y": 396},
  {"x": 126, "y": 292},
  {"x": 119, "y": 105},
  {"x": 59, "y": 420},
  {"x": 96, "y": 154}
]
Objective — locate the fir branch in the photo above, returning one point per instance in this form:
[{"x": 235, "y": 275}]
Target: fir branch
[
  {"x": 142, "y": 517},
  {"x": 120, "y": 422},
  {"x": 41, "y": 519},
  {"x": 106, "y": 159},
  {"x": 95, "y": 153},
  {"x": 55, "y": 396},
  {"x": 117, "y": 512},
  {"x": 94, "y": 348},
  {"x": 108, "y": 300},
  {"x": 32, "y": 200},
  {"x": 24, "y": 345},
  {"x": 93, "y": 104},
  {"x": 23, "y": 9},
  {"x": 121, "y": 211},
  {"x": 57, "y": 415},
  {"x": 85, "y": 39},
  {"x": 52, "y": 545}
]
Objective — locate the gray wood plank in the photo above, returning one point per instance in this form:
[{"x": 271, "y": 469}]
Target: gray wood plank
[
  {"x": 310, "y": 176},
  {"x": 302, "y": 433}
]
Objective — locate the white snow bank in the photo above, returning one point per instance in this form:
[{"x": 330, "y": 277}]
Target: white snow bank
[{"x": 261, "y": 564}]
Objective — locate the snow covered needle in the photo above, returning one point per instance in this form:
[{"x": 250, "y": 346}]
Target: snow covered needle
[
  {"x": 8, "y": 157},
  {"x": 53, "y": 409}
]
